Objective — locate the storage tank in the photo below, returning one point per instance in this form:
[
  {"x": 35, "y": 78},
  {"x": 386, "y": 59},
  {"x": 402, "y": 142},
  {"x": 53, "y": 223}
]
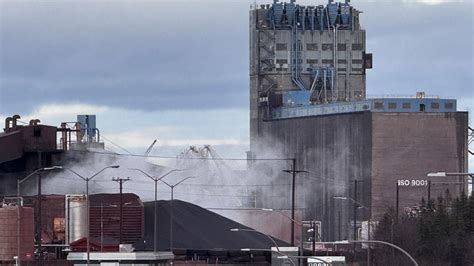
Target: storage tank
[
  {"x": 9, "y": 225},
  {"x": 76, "y": 217}
]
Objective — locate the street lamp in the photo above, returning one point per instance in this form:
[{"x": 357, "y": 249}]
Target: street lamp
[
  {"x": 155, "y": 179},
  {"x": 255, "y": 231},
  {"x": 386, "y": 243},
  {"x": 171, "y": 205},
  {"x": 446, "y": 174},
  {"x": 285, "y": 256},
  {"x": 357, "y": 205},
  {"x": 304, "y": 257},
  {"x": 293, "y": 221},
  {"x": 282, "y": 255},
  {"x": 87, "y": 179},
  {"x": 18, "y": 194}
]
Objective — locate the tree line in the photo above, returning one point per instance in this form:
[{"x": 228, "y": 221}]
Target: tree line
[{"x": 439, "y": 232}]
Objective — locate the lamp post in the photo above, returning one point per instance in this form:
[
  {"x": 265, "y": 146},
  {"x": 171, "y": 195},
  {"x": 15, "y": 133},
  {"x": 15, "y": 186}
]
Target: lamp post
[
  {"x": 171, "y": 205},
  {"x": 304, "y": 257},
  {"x": 18, "y": 195},
  {"x": 87, "y": 179},
  {"x": 155, "y": 179},
  {"x": 446, "y": 174},
  {"x": 293, "y": 221},
  {"x": 283, "y": 255},
  {"x": 357, "y": 205},
  {"x": 389, "y": 244}
]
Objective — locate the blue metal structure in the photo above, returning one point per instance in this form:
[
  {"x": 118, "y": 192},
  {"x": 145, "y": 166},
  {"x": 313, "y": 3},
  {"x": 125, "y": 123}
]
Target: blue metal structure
[
  {"x": 299, "y": 108},
  {"x": 290, "y": 16},
  {"x": 88, "y": 126},
  {"x": 311, "y": 17}
]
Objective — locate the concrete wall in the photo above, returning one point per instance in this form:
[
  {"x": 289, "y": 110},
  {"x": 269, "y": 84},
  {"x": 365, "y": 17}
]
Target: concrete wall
[
  {"x": 407, "y": 146},
  {"x": 376, "y": 148},
  {"x": 335, "y": 150}
]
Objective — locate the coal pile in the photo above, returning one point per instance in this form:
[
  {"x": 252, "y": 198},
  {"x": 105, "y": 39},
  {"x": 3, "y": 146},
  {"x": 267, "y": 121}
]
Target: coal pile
[{"x": 195, "y": 228}]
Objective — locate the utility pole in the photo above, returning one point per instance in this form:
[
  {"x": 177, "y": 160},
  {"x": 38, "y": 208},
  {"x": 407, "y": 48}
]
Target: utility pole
[
  {"x": 355, "y": 209},
  {"x": 121, "y": 181},
  {"x": 397, "y": 202},
  {"x": 39, "y": 238},
  {"x": 314, "y": 237},
  {"x": 368, "y": 245},
  {"x": 339, "y": 225},
  {"x": 429, "y": 192},
  {"x": 356, "y": 206},
  {"x": 293, "y": 171},
  {"x": 38, "y": 231}
]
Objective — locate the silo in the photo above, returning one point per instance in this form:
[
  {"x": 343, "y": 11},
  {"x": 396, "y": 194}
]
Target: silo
[{"x": 76, "y": 217}]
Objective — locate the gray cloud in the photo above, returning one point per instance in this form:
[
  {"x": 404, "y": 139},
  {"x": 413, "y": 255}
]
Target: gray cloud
[
  {"x": 145, "y": 55},
  {"x": 179, "y": 55}
]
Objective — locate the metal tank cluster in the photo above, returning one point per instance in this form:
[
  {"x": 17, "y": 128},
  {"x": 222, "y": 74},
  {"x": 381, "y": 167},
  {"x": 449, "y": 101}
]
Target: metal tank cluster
[{"x": 311, "y": 17}]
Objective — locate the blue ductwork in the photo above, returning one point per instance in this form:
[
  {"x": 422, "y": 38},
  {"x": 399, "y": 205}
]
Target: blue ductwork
[
  {"x": 332, "y": 11},
  {"x": 346, "y": 15},
  {"x": 290, "y": 9},
  {"x": 320, "y": 17},
  {"x": 277, "y": 12}
]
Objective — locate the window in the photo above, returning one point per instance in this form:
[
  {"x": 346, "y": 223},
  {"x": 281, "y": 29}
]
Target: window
[
  {"x": 327, "y": 61},
  {"x": 378, "y": 105},
  {"x": 356, "y": 61},
  {"x": 281, "y": 61},
  {"x": 281, "y": 47},
  {"x": 341, "y": 61},
  {"x": 311, "y": 61},
  {"x": 327, "y": 46},
  {"x": 357, "y": 47},
  {"x": 434, "y": 105},
  {"x": 356, "y": 69},
  {"x": 341, "y": 46},
  {"x": 448, "y": 105},
  {"x": 406, "y": 105},
  {"x": 312, "y": 46},
  {"x": 392, "y": 105},
  {"x": 341, "y": 69}
]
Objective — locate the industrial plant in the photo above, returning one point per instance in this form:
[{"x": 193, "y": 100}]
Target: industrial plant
[
  {"x": 308, "y": 102},
  {"x": 325, "y": 163}
]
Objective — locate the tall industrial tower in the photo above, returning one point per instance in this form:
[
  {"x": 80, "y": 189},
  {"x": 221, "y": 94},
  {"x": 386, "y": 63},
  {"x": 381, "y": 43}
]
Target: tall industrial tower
[
  {"x": 308, "y": 102},
  {"x": 305, "y": 55}
]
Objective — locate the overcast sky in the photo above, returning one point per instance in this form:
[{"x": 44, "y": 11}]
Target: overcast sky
[{"x": 178, "y": 70}]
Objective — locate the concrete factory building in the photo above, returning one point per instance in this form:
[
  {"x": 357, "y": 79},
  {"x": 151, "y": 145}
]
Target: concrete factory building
[{"x": 308, "y": 101}]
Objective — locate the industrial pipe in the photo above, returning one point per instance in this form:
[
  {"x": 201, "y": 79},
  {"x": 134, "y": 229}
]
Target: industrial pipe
[
  {"x": 34, "y": 122},
  {"x": 14, "y": 120},
  {"x": 7, "y": 123}
]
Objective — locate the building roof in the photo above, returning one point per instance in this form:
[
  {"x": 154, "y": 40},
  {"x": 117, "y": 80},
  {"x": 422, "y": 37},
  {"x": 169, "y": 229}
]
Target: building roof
[
  {"x": 128, "y": 199},
  {"x": 377, "y": 105}
]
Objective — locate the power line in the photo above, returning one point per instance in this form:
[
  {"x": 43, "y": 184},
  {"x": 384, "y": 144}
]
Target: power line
[
  {"x": 187, "y": 158},
  {"x": 120, "y": 147}
]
